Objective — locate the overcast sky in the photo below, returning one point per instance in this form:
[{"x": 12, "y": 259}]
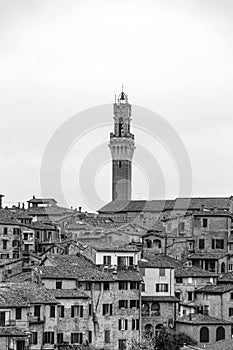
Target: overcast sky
[{"x": 59, "y": 57}]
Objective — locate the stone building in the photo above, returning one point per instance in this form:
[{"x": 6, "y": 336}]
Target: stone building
[
  {"x": 159, "y": 305},
  {"x": 210, "y": 333},
  {"x": 27, "y": 316},
  {"x": 110, "y": 300}
]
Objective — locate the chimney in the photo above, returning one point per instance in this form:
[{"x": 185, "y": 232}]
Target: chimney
[
  {"x": 1, "y": 196},
  {"x": 80, "y": 209}
]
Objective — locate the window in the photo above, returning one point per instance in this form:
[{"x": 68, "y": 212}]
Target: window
[
  {"x": 124, "y": 260},
  {"x": 161, "y": 287},
  {"x": 143, "y": 287},
  {"x": 4, "y": 244},
  {"x": 190, "y": 280},
  {"x": 89, "y": 337},
  {"x": 135, "y": 324},
  {"x": 5, "y": 231},
  {"x": 107, "y": 336},
  {"x": 122, "y": 344},
  {"x": 134, "y": 303},
  {"x": 34, "y": 338},
  {"x": 220, "y": 333},
  {"x": 230, "y": 311},
  {"x": 107, "y": 260},
  {"x": 107, "y": 309},
  {"x": 58, "y": 284},
  {"x": 123, "y": 285},
  {"x": 59, "y": 338},
  {"x": 18, "y": 313},
  {"x": 76, "y": 338},
  {"x": 88, "y": 286},
  {"x": 190, "y": 296},
  {"x": 48, "y": 338},
  {"x": 206, "y": 310},
  {"x": 37, "y": 311},
  {"x": 77, "y": 311},
  {"x": 106, "y": 285},
  {"x": 145, "y": 309},
  {"x": 123, "y": 324},
  {"x": 161, "y": 272},
  {"x": 201, "y": 243},
  {"x": 123, "y": 304},
  {"x": 52, "y": 311},
  {"x": 155, "y": 309},
  {"x": 204, "y": 335},
  {"x": 179, "y": 280},
  {"x": 181, "y": 227},
  {"x": 217, "y": 243},
  {"x": 134, "y": 285},
  {"x": 60, "y": 310},
  {"x": 90, "y": 309},
  {"x": 204, "y": 223},
  {"x": 230, "y": 267}
]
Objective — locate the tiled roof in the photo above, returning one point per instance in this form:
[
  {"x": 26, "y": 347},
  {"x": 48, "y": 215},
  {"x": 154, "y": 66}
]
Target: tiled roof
[
  {"x": 82, "y": 269},
  {"x": 158, "y": 260},
  {"x": 69, "y": 294},
  {"x": 206, "y": 255},
  {"x": 201, "y": 319},
  {"x": 134, "y": 206},
  {"x": 127, "y": 248},
  {"x": 194, "y": 203},
  {"x": 40, "y": 225},
  {"x": 21, "y": 277},
  {"x": 128, "y": 275},
  {"x": 193, "y": 271},
  {"x": 24, "y": 294},
  {"x": 216, "y": 289},
  {"x": 12, "y": 332},
  {"x": 49, "y": 210},
  {"x": 42, "y": 200},
  {"x": 213, "y": 213},
  {"x": 8, "y": 218},
  {"x": 226, "y": 278}
]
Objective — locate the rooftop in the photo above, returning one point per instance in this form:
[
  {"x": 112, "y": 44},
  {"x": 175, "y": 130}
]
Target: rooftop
[
  {"x": 12, "y": 331},
  {"x": 158, "y": 260},
  {"x": 192, "y": 271},
  {"x": 24, "y": 294},
  {"x": 194, "y": 203},
  {"x": 201, "y": 319},
  {"x": 216, "y": 289}
]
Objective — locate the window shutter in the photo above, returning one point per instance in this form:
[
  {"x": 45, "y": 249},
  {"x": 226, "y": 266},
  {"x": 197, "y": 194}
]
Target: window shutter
[
  {"x": 119, "y": 325},
  {"x": 126, "y": 325},
  {"x": 111, "y": 309},
  {"x": 52, "y": 337},
  {"x": 126, "y": 304},
  {"x": 72, "y": 311},
  {"x": 138, "y": 304},
  {"x": 137, "y": 324},
  {"x": 81, "y": 311},
  {"x": 133, "y": 324}
]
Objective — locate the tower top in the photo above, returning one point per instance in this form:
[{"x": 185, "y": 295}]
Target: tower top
[{"x": 122, "y": 98}]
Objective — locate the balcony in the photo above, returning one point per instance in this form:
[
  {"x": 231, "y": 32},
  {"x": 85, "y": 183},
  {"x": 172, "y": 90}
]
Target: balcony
[
  {"x": 10, "y": 323},
  {"x": 36, "y": 319}
]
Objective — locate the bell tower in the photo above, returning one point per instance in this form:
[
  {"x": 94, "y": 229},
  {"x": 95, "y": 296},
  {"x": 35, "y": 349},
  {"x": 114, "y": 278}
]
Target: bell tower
[{"x": 122, "y": 149}]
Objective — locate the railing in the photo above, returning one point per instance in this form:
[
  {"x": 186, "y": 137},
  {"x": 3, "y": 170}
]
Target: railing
[{"x": 36, "y": 319}]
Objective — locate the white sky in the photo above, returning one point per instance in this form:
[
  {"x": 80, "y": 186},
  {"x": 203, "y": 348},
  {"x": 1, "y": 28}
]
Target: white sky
[{"x": 59, "y": 57}]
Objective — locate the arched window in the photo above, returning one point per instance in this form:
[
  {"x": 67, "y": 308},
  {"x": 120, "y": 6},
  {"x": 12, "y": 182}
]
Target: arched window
[
  {"x": 223, "y": 267},
  {"x": 157, "y": 243},
  {"x": 15, "y": 243},
  {"x": 148, "y": 243},
  {"x": 220, "y": 333},
  {"x": 158, "y": 328},
  {"x": 155, "y": 309},
  {"x": 149, "y": 329},
  {"x": 145, "y": 309},
  {"x": 204, "y": 335}
]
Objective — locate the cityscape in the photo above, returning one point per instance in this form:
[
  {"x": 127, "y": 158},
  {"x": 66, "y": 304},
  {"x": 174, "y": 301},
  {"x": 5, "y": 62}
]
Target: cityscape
[{"x": 135, "y": 271}]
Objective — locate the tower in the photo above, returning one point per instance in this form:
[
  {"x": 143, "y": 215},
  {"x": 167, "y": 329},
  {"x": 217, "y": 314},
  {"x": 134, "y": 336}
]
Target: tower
[{"x": 122, "y": 148}]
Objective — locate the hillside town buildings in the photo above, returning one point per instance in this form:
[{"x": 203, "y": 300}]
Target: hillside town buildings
[{"x": 100, "y": 281}]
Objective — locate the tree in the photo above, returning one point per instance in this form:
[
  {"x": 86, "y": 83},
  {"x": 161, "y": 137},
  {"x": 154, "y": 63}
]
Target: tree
[{"x": 164, "y": 340}]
